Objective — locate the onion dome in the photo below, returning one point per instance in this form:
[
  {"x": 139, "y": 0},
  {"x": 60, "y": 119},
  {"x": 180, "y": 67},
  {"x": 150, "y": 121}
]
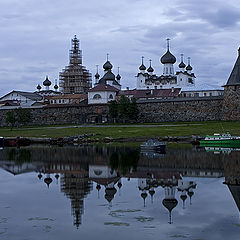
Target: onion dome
[
  {"x": 168, "y": 58},
  {"x": 107, "y": 66},
  {"x": 57, "y": 176},
  {"x": 39, "y": 87},
  {"x": 56, "y": 87},
  {"x": 144, "y": 196},
  {"x": 39, "y": 176},
  {"x": 48, "y": 181},
  {"x": 118, "y": 77},
  {"x": 181, "y": 65},
  {"x": 142, "y": 67},
  {"x": 150, "y": 69},
  {"x": 97, "y": 76},
  {"x": 151, "y": 192},
  {"x": 189, "y": 68},
  {"x": 47, "y": 82}
]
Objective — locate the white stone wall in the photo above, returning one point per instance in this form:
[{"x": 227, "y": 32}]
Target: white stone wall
[
  {"x": 24, "y": 102},
  {"x": 105, "y": 97}
]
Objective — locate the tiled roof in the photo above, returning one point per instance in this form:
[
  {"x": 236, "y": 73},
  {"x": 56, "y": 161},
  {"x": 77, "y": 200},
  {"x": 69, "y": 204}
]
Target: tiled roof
[
  {"x": 68, "y": 96},
  {"x": 152, "y": 93},
  {"x": 31, "y": 95},
  {"x": 103, "y": 87}
]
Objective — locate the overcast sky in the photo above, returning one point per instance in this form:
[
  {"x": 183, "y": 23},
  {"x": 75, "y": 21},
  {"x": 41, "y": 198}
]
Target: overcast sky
[{"x": 36, "y": 37}]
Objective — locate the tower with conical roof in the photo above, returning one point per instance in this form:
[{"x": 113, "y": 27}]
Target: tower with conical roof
[
  {"x": 231, "y": 100},
  {"x": 75, "y": 78}
]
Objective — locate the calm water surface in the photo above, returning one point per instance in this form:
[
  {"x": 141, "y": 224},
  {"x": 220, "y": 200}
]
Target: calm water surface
[{"x": 108, "y": 192}]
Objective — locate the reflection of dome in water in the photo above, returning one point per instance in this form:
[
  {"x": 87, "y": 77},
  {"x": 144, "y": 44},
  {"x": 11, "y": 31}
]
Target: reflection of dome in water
[
  {"x": 40, "y": 176},
  {"x": 109, "y": 193},
  {"x": 170, "y": 204},
  {"x": 98, "y": 187},
  {"x": 48, "y": 181},
  {"x": 98, "y": 172},
  {"x": 119, "y": 184}
]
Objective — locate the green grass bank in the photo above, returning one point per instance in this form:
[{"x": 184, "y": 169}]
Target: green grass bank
[{"x": 127, "y": 131}]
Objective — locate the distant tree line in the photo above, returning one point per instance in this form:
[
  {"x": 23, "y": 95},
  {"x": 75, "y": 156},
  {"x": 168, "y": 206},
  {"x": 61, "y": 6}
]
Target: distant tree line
[
  {"x": 18, "y": 117},
  {"x": 123, "y": 110}
]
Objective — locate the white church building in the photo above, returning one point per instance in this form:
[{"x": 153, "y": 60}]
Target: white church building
[{"x": 184, "y": 77}]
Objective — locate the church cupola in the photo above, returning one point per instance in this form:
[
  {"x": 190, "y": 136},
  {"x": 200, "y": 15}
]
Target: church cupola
[
  {"x": 118, "y": 77},
  {"x": 97, "y": 76},
  {"x": 47, "y": 83},
  {"x": 56, "y": 86},
  {"x": 142, "y": 68},
  {"x": 107, "y": 65},
  {"x": 39, "y": 87},
  {"x": 168, "y": 60},
  {"x": 189, "y": 68},
  {"x": 48, "y": 180},
  {"x": 182, "y": 65},
  {"x": 150, "y": 69}
]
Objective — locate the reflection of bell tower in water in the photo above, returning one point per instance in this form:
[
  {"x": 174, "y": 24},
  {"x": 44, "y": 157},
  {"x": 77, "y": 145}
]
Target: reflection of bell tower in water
[{"x": 76, "y": 187}]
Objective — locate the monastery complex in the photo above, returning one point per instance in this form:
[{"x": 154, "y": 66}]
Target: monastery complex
[{"x": 157, "y": 95}]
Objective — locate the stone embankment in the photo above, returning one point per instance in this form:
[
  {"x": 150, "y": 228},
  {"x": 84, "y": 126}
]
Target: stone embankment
[{"x": 91, "y": 138}]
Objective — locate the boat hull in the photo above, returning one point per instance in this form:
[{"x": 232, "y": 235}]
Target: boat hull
[{"x": 222, "y": 143}]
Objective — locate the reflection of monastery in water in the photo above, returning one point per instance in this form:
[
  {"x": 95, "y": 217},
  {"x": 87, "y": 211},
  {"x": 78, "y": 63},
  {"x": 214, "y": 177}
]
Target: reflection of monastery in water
[{"x": 78, "y": 168}]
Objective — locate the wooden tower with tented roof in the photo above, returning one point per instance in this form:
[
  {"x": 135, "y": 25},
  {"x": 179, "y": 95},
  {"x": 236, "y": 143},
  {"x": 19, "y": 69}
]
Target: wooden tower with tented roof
[{"x": 75, "y": 78}]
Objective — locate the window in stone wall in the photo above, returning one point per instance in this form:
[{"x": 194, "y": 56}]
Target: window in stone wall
[{"x": 110, "y": 96}]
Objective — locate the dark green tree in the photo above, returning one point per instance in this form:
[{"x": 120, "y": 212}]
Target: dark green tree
[
  {"x": 11, "y": 118},
  {"x": 133, "y": 110},
  {"x": 113, "y": 110},
  {"x": 124, "y": 108}
]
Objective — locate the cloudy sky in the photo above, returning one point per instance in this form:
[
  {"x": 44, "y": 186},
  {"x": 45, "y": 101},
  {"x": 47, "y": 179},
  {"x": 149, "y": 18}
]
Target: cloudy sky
[{"x": 36, "y": 35}]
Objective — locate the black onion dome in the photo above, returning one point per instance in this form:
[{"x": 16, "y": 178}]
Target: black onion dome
[
  {"x": 109, "y": 76},
  {"x": 151, "y": 192},
  {"x": 189, "y": 68},
  {"x": 168, "y": 58},
  {"x": 97, "y": 76},
  {"x": 55, "y": 86},
  {"x": 182, "y": 65},
  {"x": 142, "y": 67},
  {"x": 39, "y": 87},
  {"x": 118, "y": 77},
  {"x": 107, "y": 66},
  {"x": 150, "y": 69},
  {"x": 47, "y": 82}
]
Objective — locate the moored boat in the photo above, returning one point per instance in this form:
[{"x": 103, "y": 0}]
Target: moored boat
[
  {"x": 1, "y": 142},
  {"x": 153, "y": 145},
  {"x": 225, "y": 140}
]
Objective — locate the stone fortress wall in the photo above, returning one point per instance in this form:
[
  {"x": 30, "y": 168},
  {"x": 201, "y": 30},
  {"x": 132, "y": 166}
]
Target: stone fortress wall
[{"x": 166, "y": 110}]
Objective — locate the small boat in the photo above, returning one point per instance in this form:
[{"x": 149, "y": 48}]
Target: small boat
[
  {"x": 224, "y": 140},
  {"x": 153, "y": 145},
  {"x": 1, "y": 142}
]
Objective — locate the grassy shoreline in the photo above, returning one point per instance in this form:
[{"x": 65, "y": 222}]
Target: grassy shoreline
[{"x": 117, "y": 131}]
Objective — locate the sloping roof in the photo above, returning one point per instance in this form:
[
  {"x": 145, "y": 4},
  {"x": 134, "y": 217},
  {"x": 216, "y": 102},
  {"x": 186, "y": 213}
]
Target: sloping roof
[
  {"x": 31, "y": 95},
  {"x": 234, "y": 78},
  {"x": 103, "y": 87},
  {"x": 68, "y": 96},
  {"x": 152, "y": 93}
]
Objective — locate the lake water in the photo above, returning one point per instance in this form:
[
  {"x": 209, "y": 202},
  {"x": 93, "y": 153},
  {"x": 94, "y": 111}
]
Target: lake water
[{"x": 118, "y": 192}]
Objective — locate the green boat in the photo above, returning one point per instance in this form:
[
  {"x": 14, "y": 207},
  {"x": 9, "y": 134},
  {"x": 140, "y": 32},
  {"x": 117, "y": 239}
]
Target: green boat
[{"x": 223, "y": 140}]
